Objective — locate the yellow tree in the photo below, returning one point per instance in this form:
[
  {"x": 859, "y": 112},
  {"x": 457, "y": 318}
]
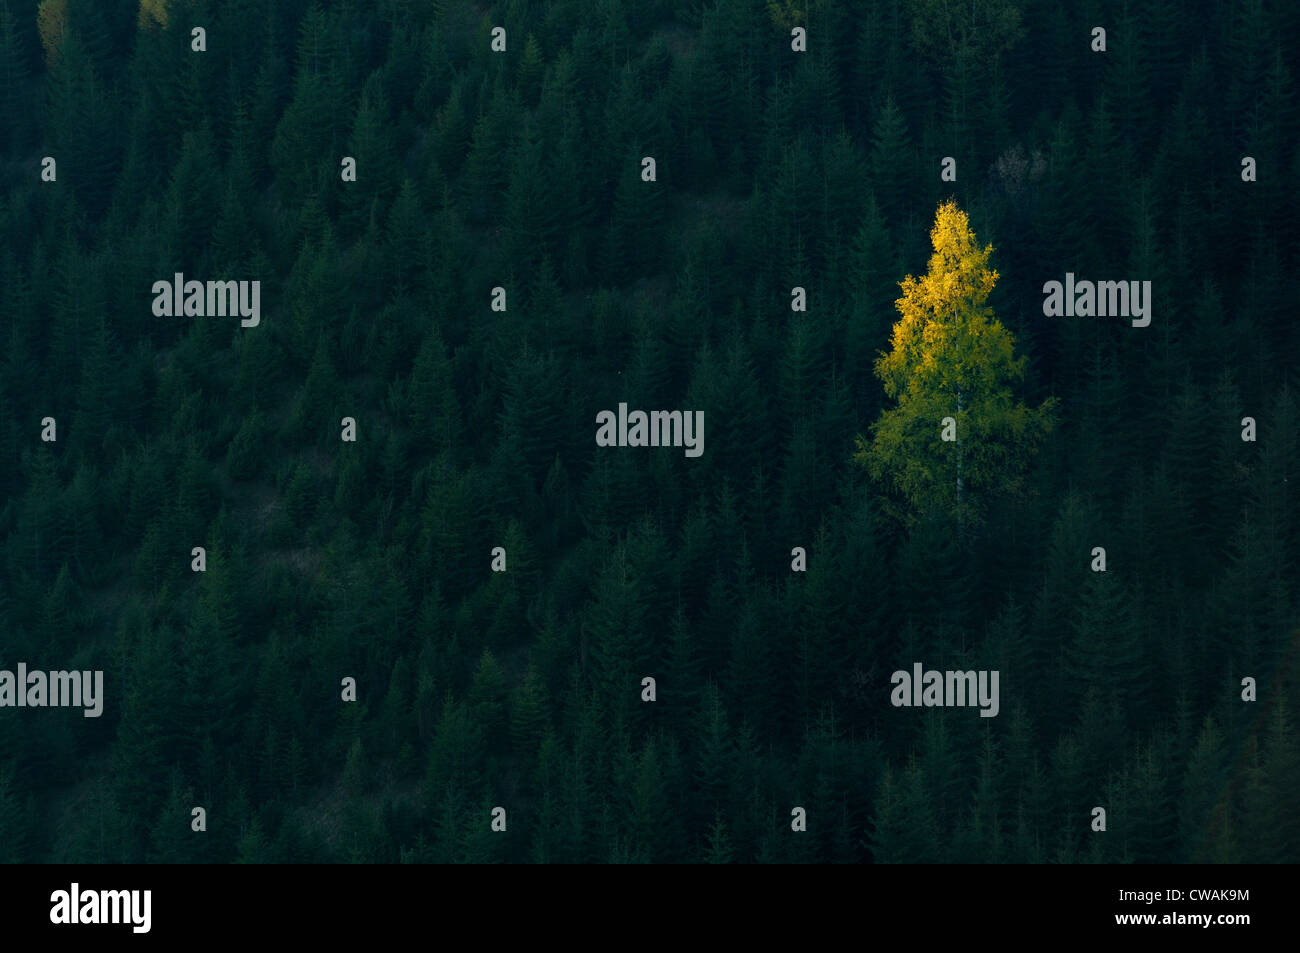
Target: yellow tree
[
  {"x": 52, "y": 24},
  {"x": 152, "y": 13},
  {"x": 791, "y": 13},
  {"x": 957, "y": 433}
]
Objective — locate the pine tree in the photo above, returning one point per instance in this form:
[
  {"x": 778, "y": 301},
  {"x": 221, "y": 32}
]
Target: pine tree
[
  {"x": 378, "y": 172},
  {"x": 1106, "y": 654},
  {"x": 615, "y": 632},
  {"x": 873, "y": 265},
  {"x": 890, "y": 162},
  {"x": 1203, "y": 792},
  {"x": 15, "y": 822},
  {"x": 903, "y": 826},
  {"x": 528, "y": 714},
  {"x": 718, "y": 849},
  {"x": 15, "y": 120}
]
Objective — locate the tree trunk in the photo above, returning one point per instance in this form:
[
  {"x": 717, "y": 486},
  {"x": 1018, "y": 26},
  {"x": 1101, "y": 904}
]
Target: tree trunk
[{"x": 961, "y": 515}]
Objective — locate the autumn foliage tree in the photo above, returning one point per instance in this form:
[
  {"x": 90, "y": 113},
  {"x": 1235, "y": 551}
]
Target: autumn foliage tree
[
  {"x": 52, "y": 23},
  {"x": 951, "y": 358}
]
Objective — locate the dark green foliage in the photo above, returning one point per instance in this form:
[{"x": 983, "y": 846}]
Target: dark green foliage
[{"x": 372, "y": 559}]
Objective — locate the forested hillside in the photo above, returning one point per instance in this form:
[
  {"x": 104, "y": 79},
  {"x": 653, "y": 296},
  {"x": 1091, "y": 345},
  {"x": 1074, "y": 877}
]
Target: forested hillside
[{"x": 474, "y": 413}]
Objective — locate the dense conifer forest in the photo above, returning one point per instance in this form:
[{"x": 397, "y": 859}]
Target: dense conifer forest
[{"x": 474, "y": 414}]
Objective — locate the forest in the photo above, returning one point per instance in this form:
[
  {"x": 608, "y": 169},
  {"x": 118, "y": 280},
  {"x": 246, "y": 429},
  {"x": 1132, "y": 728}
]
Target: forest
[{"x": 221, "y": 158}]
